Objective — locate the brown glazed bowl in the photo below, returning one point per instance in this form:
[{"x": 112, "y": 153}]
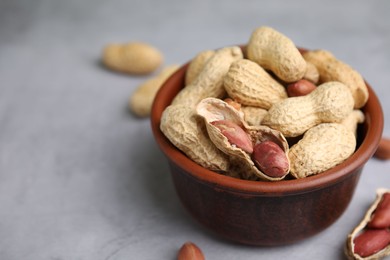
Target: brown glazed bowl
[{"x": 258, "y": 212}]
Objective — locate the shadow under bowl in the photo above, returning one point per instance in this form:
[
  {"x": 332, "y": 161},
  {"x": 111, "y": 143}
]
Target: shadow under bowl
[{"x": 258, "y": 212}]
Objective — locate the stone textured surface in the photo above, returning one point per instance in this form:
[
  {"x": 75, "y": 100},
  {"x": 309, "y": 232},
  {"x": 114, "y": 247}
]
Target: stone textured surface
[{"x": 81, "y": 178}]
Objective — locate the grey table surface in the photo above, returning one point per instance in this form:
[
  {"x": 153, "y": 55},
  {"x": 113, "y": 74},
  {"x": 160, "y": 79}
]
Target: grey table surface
[{"x": 82, "y": 178}]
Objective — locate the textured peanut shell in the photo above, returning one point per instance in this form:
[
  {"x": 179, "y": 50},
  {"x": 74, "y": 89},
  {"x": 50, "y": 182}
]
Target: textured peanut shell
[
  {"x": 133, "y": 57},
  {"x": 276, "y": 52},
  {"x": 209, "y": 83},
  {"x": 141, "y": 100},
  {"x": 311, "y": 73},
  {"x": 321, "y": 148},
  {"x": 349, "y": 247},
  {"x": 213, "y": 109},
  {"x": 249, "y": 84},
  {"x": 253, "y": 115},
  {"x": 329, "y": 103},
  {"x": 352, "y": 121},
  {"x": 332, "y": 69},
  {"x": 196, "y": 65},
  {"x": 188, "y": 133}
]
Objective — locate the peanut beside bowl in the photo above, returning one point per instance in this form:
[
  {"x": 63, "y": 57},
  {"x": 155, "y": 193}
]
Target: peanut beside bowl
[{"x": 259, "y": 212}]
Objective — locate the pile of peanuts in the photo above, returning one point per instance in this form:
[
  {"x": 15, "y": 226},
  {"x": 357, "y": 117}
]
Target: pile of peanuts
[{"x": 268, "y": 110}]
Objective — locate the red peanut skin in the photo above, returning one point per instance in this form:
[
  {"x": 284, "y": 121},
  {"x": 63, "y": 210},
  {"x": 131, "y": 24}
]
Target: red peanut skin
[
  {"x": 383, "y": 150},
  {"x": 300, "y": 88},
  {"x": 270, "y": 159},
  {"x": 371, "y": 241},
  {"x": 190, "y": 251},
  {"x": 381, "y": 215},
  {"x": 235, "y": 134}
]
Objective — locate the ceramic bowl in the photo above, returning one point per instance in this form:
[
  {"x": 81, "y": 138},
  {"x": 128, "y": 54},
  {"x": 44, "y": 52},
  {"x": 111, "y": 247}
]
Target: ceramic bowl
[{"x": 259, "y": 212}]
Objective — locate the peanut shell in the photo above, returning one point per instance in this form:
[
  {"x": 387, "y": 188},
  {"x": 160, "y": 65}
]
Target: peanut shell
[
  {"x": 132, "y": 57},
  {"x": 349, "y": 246},
  {"x": 332, "y": 69},
  {"x": 196, "y": 65},
  {"x": 253, "y": 115},
  {"x": 213, "y": 109},
  {"x": 141, "y": 100},
  {"x": 188, "y": 133},
  {"x": 311, "y": 73},
  {"x": 352, "y": 121},
  {"x": 249, "y": 84},
  {"x": 209, "y": 83},
  {"x": 276, "y": 52},
  {"x": 322, "y": 147},
  {"x": 329, "y": 103}
]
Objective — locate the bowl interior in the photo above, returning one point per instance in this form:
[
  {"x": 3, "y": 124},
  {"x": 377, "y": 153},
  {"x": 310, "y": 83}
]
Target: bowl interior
[{"x": 369, "y": 135}]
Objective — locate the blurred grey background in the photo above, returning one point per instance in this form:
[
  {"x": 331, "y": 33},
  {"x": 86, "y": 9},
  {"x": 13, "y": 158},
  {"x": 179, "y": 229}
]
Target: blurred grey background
[{"x": 82, "y": 178}]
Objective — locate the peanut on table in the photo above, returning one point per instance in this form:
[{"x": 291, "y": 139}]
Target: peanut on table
[
  {"x": 370, "y": 239},
  {"x": 138, "y": 58},
  {"x": 133, "y": 57}
]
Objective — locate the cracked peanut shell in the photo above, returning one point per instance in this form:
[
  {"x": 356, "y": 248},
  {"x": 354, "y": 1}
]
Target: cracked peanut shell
[
  {"x": 213, "y": 109},
  {"x": 349, "y": 246}
]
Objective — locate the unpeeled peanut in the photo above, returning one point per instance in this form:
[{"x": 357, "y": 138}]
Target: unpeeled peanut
[
  {"x": 352, "y": 121},
  {"x": 300, "y": 88},
  {"x": 311, "y": 73},
  {"x": 141, "y": 100},
  {"x": 276, "y": 52},
  {"x": 249, "y": 84},
  {"x": 187, "y": 132},
  {"x": 332, "y": 69},
  {"x": 328, "y": 103},
  {"x": 209, "y": 83},
  {"x": 190, "y": 251},
  {"x": 383, "y": 150},
  {"x": 321, "y": 148},
  {"x": 133, "y": 57},
  {"x": 196, "y": 65}
]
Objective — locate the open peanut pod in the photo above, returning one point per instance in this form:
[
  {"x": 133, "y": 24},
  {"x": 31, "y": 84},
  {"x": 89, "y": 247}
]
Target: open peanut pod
[
  {"x": 255, "y": 151},
  {"x": 370, "y": 239}
]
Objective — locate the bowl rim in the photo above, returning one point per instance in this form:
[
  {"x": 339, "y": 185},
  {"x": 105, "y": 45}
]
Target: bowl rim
[{"x": 374, "y": 122}]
